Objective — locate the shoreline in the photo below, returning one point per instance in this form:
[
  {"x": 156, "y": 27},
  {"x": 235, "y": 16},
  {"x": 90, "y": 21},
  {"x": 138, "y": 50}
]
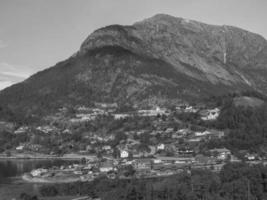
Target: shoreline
[
  {"x": 28, "y": 178},
  {"x": 46, "y": 157}
]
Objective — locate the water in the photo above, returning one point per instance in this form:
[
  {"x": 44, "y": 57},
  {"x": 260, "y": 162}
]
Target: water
[
  {"x": 11, "y": 183},
  {"x": 15, "y": 168}
]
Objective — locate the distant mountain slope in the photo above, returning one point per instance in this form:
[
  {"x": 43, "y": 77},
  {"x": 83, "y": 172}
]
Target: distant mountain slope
[{"x": 163, "y": 58}]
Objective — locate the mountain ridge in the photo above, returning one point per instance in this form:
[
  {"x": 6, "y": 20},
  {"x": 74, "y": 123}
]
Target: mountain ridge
[{"x": 162, "y": 58}]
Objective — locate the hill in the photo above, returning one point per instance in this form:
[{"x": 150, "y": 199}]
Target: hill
[
  {"x": 159, "y": 60},
  {"x": 248, "y": 101}
]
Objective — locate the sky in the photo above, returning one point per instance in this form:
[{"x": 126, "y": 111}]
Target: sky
[{"x": 36, "y": 34}]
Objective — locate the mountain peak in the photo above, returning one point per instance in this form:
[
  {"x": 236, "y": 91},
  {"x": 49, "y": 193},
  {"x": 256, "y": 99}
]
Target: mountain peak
[
  {"x": 159, "y": 18},
  {"x": 167, "y": 19},
  {"x": 162, "y": 16}
]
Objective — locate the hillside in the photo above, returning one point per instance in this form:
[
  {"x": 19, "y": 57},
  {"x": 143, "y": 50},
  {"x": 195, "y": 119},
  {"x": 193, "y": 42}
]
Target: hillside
[
  {"x": 162, "y": 59},
  {"x": 248, "y": 101}
]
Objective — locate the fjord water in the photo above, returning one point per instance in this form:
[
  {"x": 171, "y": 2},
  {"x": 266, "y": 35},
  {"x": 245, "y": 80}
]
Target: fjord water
[{"x": 10, "y": 169}]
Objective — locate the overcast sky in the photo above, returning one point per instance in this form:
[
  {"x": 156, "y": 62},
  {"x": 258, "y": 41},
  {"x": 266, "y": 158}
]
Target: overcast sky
[{"x": 36, "y": 34}]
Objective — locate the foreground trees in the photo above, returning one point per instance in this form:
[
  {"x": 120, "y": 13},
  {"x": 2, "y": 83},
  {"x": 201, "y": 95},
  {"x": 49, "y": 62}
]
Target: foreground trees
[{"x": 237, "y": 181}]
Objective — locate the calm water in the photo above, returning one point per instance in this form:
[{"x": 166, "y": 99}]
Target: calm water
[{"x": 15, "y": 168}]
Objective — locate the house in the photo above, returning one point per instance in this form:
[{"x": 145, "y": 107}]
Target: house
[
  {"x": 38, "y": 172},
  {"x": 22, "y": 129},
  {"x": 161, "y": 147},
  {"x": 106, "y": 105},
  {"x": 183, "y": 132},
  {"x": 83, "y": 109},
  {"x": 186, "y": 151},
  {"x": 190, "y": 109},
  {"x": 33, "y": 147},
  {"x": 210, "y": 114},
  {"x": 89, "y": 147},
  {"x": 157, "y": 161},
  {"x": 106, "y": 166},
  {"x": 216, "y": 134},
  {"x": 201, "y": 134},
  {"x": 120, "y": 116},
  {"x": 78, "y": 172},
  {"x": 153, "y": 112},
  {"x": 66, "y": 131},
  {"x": 169, "y": 130},
  {"x": 176, "y": 136},
  {"x": 46, "y": 129},
  {"x": 106, "y": 148},
  {"x": 142, "y": 164},
  {"x": 251, "y": 157},
  {"x": 203, "y": 159},
  {"x": 221, "y": 153},
  {"x": 20, "y": 147},
  {"x": 194, "y": 139},
  {"x": 124, "y": 154}
]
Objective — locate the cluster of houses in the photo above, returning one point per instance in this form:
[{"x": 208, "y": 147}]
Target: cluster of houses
[
  {"x": 168, "y": 149},
  {"x": 206, "y": 114},
  {"x": 84, "y": 114},
  {"x": 29, "y": 147},
  {"x": 125, "y": 167}
]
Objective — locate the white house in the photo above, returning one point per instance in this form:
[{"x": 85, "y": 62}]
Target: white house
[
  {"x": 223, "y": 153},
  {"x": 211, "y": 114},
  {"x": 157, "y": 161},
  {"x": 190, "y": 109},
  {"x": 21, "y": 130},
  {"x": 38, "y": 172},
  {"x": 161, "y": 147},
  {"x": 251, "y": 156},
  {"x": 120, "y": 116},
  {"x": 106, "y": 147},
  {"x": 124, "y": 154},
  {"x": 106, "y": 167},
  {"x": 20, "y": 148},
  {"x": 199, "y": 134},
  {"x": 153, "y": 112}
]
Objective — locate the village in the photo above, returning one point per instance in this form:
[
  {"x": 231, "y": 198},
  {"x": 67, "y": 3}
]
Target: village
[{"x": 141, "y": 153}]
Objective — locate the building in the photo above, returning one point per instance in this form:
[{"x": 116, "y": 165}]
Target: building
[
  {"x": 221, "y": 153},
  {"x": 190, "y": 109},
  {"x": 153, "y": 112},
  {"x": 161, "y": 147},
  {"x": 166, "y": 159},
  {"x": 106, "y": 147},
  {"x": 210, "y": 114},
  {"x": 251, "y": 157},
  {"x": 205, "y": 133},
  {"x": 106, "y": 166},
  {"x": 142, "y": 164},
  {"x": 120, "y": 116},
  {"x": 38, "y": 172},
  {"x": 20, "y": 147},
  {"x": 216, "y": 134},
  {"x": 21, "y": 130},
  {"x": 124, "y": 154}
]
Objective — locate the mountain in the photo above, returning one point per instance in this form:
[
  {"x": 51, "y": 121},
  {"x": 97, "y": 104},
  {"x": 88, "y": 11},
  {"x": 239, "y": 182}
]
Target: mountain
[{"x": 161, "y": 59}]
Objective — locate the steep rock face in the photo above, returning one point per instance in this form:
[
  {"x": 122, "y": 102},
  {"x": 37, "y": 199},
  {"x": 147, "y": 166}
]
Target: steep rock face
[
  {"x": 218, "y": 54},
  {"x": 162, "y": 58}
]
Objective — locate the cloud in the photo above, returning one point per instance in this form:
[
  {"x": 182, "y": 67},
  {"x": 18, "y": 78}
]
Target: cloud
[
  {"x": 11, "y": 74},
  {"x": 2, "y": 44},
  {"x": 15, "y": 70}
]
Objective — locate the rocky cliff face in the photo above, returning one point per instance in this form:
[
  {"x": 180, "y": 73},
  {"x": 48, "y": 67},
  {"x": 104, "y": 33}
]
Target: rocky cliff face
[
  {"x": 218, "y": 54},
  {"x": 161, "y": 58}
]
